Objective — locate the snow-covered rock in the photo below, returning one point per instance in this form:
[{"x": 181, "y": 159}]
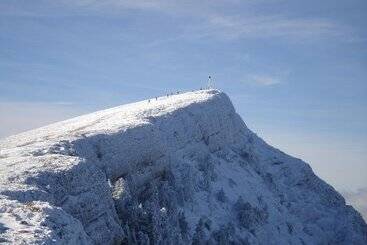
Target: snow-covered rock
[{"x": 177, "y": 170}]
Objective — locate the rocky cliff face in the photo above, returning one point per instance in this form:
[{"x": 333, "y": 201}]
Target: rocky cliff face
[{"x": 178, "y": 170}]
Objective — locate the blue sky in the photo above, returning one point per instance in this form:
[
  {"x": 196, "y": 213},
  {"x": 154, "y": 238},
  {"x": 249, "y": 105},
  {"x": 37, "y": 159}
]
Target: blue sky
[{"x": 296, "y": 70}]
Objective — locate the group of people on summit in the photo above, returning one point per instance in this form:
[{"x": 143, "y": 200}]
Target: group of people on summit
[{"x": 209, "y": 86}]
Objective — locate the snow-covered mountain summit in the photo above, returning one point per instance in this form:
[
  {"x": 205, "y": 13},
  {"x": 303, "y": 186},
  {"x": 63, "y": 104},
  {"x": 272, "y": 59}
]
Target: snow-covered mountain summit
[{"x": 177, "y": 170}]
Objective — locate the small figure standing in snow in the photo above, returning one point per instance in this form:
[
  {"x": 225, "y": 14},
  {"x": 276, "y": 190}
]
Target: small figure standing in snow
[
  {"x": 156, "y": 98},
  {"x": 148, "y": 101}
]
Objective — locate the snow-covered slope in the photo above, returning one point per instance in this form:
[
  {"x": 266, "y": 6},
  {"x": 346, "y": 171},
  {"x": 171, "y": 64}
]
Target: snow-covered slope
[{"x": 178, "y": 170}]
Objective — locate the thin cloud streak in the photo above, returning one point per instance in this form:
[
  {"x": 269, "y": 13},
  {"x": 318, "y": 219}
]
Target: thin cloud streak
[
  {"x": 245, "y": 25},
  {"x": 271, "y": 26},
  {"x": 213, "y": 21},
  {"x": 264, "y": 80}
]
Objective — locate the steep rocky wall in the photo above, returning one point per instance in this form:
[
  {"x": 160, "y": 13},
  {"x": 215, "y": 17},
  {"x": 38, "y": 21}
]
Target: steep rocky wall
[{"x": 180, "y": 174}]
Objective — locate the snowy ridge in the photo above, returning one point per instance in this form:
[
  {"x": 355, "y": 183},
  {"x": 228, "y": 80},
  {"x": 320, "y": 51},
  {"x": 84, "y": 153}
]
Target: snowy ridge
[{"x": 181, "y": 169}]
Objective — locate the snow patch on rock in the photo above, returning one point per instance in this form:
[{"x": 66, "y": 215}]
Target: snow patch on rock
[{"x": 179, "y": 169}]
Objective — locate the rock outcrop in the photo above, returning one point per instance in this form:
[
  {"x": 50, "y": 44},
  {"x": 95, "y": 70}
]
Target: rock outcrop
[{"x": 182, "y": 169}]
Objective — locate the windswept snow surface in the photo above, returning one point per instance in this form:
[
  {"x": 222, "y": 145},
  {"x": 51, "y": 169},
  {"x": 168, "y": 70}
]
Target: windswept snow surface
[{"x": 177, "y": 170}]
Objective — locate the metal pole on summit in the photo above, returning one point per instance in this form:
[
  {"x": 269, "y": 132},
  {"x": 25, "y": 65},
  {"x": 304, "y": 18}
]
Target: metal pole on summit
[{"x": 210, "y": 83}]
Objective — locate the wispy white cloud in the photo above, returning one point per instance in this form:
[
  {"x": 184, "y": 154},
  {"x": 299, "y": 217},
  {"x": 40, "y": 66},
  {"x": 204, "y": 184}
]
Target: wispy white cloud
[
  {"x": 234, "y": 27},
  {"x": 216, "y": 18},
  {"x": 218, "y": 23},
  {"x": 114, "y": 6},
  {"x": 264, "y": 80},
  {"x": 267, "y": 79}
]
